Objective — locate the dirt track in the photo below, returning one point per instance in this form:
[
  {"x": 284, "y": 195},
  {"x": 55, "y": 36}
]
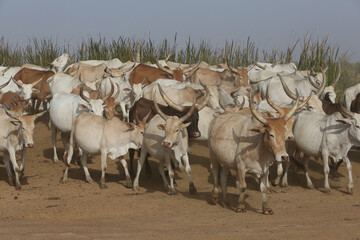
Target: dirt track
[{"x": 47, "y": 209}]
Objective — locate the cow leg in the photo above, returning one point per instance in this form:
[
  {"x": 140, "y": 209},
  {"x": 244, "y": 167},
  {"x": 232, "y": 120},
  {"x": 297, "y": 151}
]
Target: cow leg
[
  {"x": 263, "y": 183},
  {"x": 215, "y": 172},
  {"x": 223, "y": 177},
  {"x": 242, "y": 187},
  {"x": 172, "y": 190},
  {"x": 141, "y": 160},
  {"x": 192, "y": 188},
  {"x": 86, "y": 170},
  {"x": 350, "y": 186},
  {"x": 8, "y": 169},
  {"x": 163, "y": 176},
  {"x": 53, "y": 141},
  {"x": 22, "y": 165},
  {"x": 325, "y": 157},
  {"x": 306, "y": 168},
  {"x": 334, "y": 170},
  {"x": 279, "y": 173},
  {"x": 128, "y": 178},
  {"x": 64, "y": 139},
  {"x": 284, "y": 181},
  {"x": 15, "y": 167},
  {"x": 123, "y": 109},
  {"x": 103, "y": 169},
  {"x": 131, "y": 161}
]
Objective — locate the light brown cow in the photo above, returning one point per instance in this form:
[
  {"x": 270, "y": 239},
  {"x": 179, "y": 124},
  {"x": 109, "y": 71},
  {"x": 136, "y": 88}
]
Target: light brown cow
[{"x": 14, "y": 102}]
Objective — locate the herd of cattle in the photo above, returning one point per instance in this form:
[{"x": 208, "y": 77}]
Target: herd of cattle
[{"x": 252, "y": 117}]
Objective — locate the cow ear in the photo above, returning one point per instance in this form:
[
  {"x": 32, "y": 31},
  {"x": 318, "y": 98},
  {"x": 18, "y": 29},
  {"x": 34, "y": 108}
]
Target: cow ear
[
  {"x": 16, "y": 123},
  {"x": 185, "y": 125},
  {"x": 131, "y": 126},
  {"x": 83, "y": 107},
  {"x": 258, "y": 129},
  {"x": 35, "y": 90},
  {"x": 161, "y": 126},
  {"x": 127, "y": 89}
]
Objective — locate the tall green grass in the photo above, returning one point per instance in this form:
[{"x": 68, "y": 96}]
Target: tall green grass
[{"x": 314, "y": 53}]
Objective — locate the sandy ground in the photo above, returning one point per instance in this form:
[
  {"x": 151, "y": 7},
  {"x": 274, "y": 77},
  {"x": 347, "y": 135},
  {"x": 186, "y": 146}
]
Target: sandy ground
[{"x": 47, "y": 209}]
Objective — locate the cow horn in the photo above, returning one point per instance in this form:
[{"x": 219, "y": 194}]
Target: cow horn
[
  {"x": 10, "y": 113},
  {"x": 234, "y": 92},
  {"x": 255, "y": 113},
  {"x": 137, "y": 53},
  {"x": 118, "y": 91},
  {"x": 168, "y": 101},
  {"x": 286, "y": 88},
  {"x": 82, "y": 94},
  {"x": 343, "y": 110},
  {"x": 17, "y": 83},
  {"x": 257, "y": 64},
  {"x": 206, "y": 98},
  {"x": 338, "y": 76},
  {"x": 189, "y": 113},
  {"x": 34, "y": 83},
  {"x": 3, "y": 71},
  {"x": 127, "y": 69},
  {"x": 271, "y": 103},
  {"x": 276, "y": 63},
  {"x": 323, "y": 84},
  {"x": 158, "y": 110},
  {"x": 168, "y": 56},
  {"x": 293, "y": 109},
  {"x": 5, "y": 84},
  {"x": 240, "y": 105},
  {"x": 311, "y": 81},
  {"x": 161, "y": 67},
  {"x": 41, "y": 62},
  {"x": 232, "y": 69},
  {"x": 305, "y": 102},
  {"x": 189, "y": 69},
  {"x": 110, "y": 93}
]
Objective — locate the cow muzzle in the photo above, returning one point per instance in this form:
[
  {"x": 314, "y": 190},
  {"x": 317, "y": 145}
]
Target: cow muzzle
[
  {"x": 196, "y": 134},
  {"x": 284, "y": 158},
  {"x": 166, "y": 144},
  {"x": 29, "y": 145}
]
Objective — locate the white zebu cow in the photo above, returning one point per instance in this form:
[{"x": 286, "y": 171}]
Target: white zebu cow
[
  {"x": 62, "y": 82},
  {"x": 324, "y": 136},
  {"x": 16, "y": 134},
  {"x": 64, "y": 107},
  {"x": 24, "y": 90},
  {"x": 166, "y": 139},
  {"x": 350, "y": 95},
  {"x": 247, "y": 143},
  {"x": 113, "y": 138},
  {"x": 56, "y": 66}
]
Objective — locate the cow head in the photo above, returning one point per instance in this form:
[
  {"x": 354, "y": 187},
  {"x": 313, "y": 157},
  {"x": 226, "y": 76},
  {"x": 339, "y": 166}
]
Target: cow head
[
  {"x": 109, "y": 102},
  {"x": 60, "y": 63},
  {"x": 174, "y": 126},
  {"x": 26, "y": 126},
  {"x": 137, "y": 129},
  {"x": 27, "y": 89},
  {"x": 274, "y": 131},
  {"x": 117, "y": 72},
  {"x": 96, "y": 106}
]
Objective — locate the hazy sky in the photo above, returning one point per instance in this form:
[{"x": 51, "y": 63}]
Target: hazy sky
[{"x": 271, "y": 24}]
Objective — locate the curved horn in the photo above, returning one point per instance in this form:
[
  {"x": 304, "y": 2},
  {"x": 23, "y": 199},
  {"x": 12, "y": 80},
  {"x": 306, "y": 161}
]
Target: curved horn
[
  {"x": 323, "y": 84},
  {"x": 231, "y": 68},
  {"x": 255, "y": 113},
  {"x": 338, "y": 76},
  {"x": 293, "y": 109},
  {"x": 159, "y": 65},
  {"x": 34, "y": 83},
  {"x": 118, "y": 91},
  {"x": 233, "y": 93},
  {"x": 158, "y": 110},
  {"x": 276, "y": 63},
  {"x": 304, "y": 102},
  {"x": 17, "y": 83},
  {"x": 5, "y": 84},
  {"x": 168, "y": 56},
  {"x": 311, "y": 81},
  {"x": 110, "y": 93},
  {"x": 127, "y": 69},
  {"x": 206, "y": 98},
  {"x": 286, "y": 88},
  {"x": 189, "y": 69},
  {"x": 274, "y": 106},
  {"x": 343, "y": 110},
  {"x": 189, "y": 113},
  {"x": 138, "y": 54},
  {"x": 82, "y": 95},
  {"x": 168, "y": 101},
  {"x": 257, "y": 64}
]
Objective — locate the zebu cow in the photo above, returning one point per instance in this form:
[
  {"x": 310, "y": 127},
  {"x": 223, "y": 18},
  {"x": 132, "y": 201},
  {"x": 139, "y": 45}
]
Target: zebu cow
[
  {"x": 113, "y": 138},
  {"x": 350, "y": 94},
  {"x": 247, "y": 143},
  {"x": 166, "y": 139},
  {"x": 318, "y": 135},
  {"x": 151, "y": 74},
  {"x": 64, "y": 108},
  {"x": 24, "y": 90},
  {"x": 56, "y": 66},
  {"x": 16, "y": 134},
  {"x": 62, "y": 82},
  {"x": 143, "y": 106},
  {"x": 14, "y": 102}
]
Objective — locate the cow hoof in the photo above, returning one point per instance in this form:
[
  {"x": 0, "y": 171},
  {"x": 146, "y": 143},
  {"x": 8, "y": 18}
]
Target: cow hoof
[
  {"x": 56, "y": 161},
  {"x": 269, "y": 191},
  {"x": 89, "y": 180},
  {"x": 136, "y": 188},
  {"x": 64, "y": 180},
  {"x": 350, "y": 190},
  {"x": 214, "y": 200},
  {"x": 18, "y": 187},
  {"x": 284, "y": 185},
  {"x": 310, "y": 186},
  {"x": 172, "y": 191},
  {"x": 328, "y": 191},
  {"x": 268, "y": 211},
  {"x": 240, "y": 210},
  {"x": 128, "y": 184},
  {"x": 103, "y": 186},
  {"x": 225, "y": 205},
  {"x": 192, "y": 189}
]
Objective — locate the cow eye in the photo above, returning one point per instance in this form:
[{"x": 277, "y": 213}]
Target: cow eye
[
  {"x": 357, "y": 126},
  {"x": 177, "y": 130},
  {"x": 142, "y": 132},
  {"x": 271, "y": 135}
]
